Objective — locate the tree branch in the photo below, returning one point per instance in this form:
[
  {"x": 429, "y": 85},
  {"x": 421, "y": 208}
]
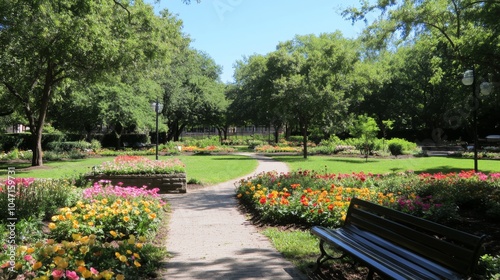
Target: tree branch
[{"x": 125, "y": 8}]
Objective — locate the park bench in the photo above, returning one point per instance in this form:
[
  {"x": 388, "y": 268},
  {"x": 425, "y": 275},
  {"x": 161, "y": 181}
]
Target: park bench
[{"x": 396, "y": 245}]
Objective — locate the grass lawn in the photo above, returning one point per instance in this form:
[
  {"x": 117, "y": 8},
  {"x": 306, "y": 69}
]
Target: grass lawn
[
  {"x": 202, "y": 168},
  {"x": 384, "y": 165}
]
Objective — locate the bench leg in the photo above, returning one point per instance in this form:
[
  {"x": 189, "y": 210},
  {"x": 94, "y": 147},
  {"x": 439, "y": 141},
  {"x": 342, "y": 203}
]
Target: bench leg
[
  {"x": 325, "y": 256},
  {"x": 370, "y": 275}
]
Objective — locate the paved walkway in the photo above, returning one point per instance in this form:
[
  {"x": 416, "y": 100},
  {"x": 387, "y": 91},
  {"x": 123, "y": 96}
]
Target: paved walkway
[{"x": 210, "y": 239}]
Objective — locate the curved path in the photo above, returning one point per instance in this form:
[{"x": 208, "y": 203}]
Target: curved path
[{"x": 210, "y": 239}]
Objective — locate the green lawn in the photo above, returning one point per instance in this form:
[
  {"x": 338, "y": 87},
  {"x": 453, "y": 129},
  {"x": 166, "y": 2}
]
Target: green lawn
[
  {"x": 377, "y": 165},
  {"x": 203, "y": 168}
]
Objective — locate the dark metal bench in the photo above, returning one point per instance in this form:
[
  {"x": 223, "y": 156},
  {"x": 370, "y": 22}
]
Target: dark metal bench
[{"x": 396, "y": 245}]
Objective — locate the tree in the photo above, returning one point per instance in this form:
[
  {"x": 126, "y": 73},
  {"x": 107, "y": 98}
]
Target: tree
[
  {"x": 366, "y": 129},
  {"x": 45, "y": 43},
  {"x": 311, "y": 79},
  {"x": 194, "y": 93},
  {"x": 468, "y": 29}
]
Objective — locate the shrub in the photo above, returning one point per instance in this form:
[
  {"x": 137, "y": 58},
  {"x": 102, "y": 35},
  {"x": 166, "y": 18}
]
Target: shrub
[
  {"x": 69, "y": 146},
  {"x": 398, "y": 146},
  {"x": 36, "y": 198},
  {"x": 396, "y": 149}
]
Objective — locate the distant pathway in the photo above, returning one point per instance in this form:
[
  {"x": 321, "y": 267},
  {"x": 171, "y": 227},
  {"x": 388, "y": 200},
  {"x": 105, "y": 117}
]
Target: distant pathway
[{"x": 210, "y": 239}]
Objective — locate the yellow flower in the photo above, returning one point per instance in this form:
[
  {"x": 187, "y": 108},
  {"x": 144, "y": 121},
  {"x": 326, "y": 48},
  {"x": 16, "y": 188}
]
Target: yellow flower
[
  {"x": 22, "y": 249},
  {"x": 55, "y": 218},
  {"x": 126, "y": 218},
  {"x": 152, "y": 216},
  {"x": 120, "y": 277},
  {"x": 113, "y": 233},
  {"x": 137, "y": 264},
  {"x": 142, "y": 238},
  {"x": 106, "y": 274},
  {"x": 36, "y": 265},
  {"x": 129, "y": 252},
  {"x": 76, "y": 236},
  {"x": 86, "y": 274},
  {"x": 18, "y": 266},
  {"x": 137, "y": 256},
  {"x": 123, "y": 258},
  {"x": 30, "y": 250},
  {"x": 68, "y": 215},
  {"x": 84, "y": 249},
  {"x": 61, "y": 263},
  {"x": 80, "y": 263}
]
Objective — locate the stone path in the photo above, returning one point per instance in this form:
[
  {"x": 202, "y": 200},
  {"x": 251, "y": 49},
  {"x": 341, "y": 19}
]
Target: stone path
[{"x": 210, "y": 239}]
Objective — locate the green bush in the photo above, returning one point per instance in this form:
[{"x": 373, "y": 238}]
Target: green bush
[
  {"x": 69, "y": 146},
  {"x": 254, "y": 143},
  {"x": 396, "y": 149},
  {"x": 37, "y": 197},
  {"x": 398, "y": 146}
]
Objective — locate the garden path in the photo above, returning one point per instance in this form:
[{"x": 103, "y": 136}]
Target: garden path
[{"x": 209, "y": 238}]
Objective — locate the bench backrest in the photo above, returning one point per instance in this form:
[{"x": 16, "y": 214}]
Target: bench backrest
[{"x": 449, "y": 247}]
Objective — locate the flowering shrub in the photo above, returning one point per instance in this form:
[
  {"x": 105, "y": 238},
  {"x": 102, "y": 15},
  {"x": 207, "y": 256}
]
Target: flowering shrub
[{"x": 124, "y": 165}]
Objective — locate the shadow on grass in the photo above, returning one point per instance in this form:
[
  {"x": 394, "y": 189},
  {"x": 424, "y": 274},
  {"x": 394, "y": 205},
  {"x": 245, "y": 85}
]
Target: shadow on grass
[{"x": 443, "y": 169}]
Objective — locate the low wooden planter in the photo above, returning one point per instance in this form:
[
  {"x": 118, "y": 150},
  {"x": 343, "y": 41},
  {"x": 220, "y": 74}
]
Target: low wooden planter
[{"x": 167, "y": 183}]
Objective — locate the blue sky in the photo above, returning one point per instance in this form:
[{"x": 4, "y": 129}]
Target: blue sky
[{"x": 228, "y": 30}]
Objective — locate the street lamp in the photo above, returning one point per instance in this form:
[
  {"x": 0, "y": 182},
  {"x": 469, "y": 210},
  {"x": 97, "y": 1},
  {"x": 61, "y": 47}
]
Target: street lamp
[
  {"x": 485, "y": 89},
  {"x": 157, "y": 107}
]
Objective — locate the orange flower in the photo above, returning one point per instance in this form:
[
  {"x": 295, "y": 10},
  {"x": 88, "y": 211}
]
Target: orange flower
[{"x": 36, "y": 265}]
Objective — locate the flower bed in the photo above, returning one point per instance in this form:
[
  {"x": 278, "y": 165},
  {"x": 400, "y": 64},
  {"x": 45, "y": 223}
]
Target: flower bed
[
  {"x": 166, "y": 175},
  {"x": 310, "y": 198},
  {"x": 105, "y": 235}
]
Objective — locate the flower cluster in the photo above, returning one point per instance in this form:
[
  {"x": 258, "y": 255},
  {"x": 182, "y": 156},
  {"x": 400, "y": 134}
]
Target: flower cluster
[
  {"x": 208, "y": 149},
  {"x": 101, "y": 236},
  {"x": 311, "y": 198},
  {"x": 112, "y": 208},
  {"x": 103, "y": 189},
  {"x": 83, "y": 257},
  {"x": 277, "y": 149},
  {"x": 124, "y": 165}
]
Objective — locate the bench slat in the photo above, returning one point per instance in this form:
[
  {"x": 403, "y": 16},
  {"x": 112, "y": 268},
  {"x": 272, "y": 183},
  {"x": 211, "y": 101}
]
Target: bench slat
[
  {"x": 387, "y": 263},
  {"x": 429, "y": 246},
  {"x": 457, "y": 250},
  {"x": 400, "y": 246}
]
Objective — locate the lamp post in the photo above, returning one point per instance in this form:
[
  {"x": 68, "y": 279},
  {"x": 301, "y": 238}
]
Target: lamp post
[
  {"x": 157, "y": 107},
  {"x": 485, "y": 87}
]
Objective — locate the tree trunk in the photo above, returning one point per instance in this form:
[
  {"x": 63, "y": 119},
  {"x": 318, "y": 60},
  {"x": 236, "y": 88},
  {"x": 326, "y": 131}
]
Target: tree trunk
[
  {"x": 36, "y": 137},
  {"x": 304, "y": 138}
]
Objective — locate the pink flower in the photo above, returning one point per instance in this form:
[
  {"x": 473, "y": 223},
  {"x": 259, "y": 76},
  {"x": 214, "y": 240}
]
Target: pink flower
[
  {"x": 57, "y": 273},
  {"x": 28, "y": 258},
  {"x": 94, "y": 271},
  {"x": 72, "y": 275}
]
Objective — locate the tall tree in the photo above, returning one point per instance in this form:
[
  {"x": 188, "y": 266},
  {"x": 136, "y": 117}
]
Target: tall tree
[
  {"x": 194, "y": 93},
  {"x": 311, "y": 78},
  {"x": 45, "y": 43}
]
